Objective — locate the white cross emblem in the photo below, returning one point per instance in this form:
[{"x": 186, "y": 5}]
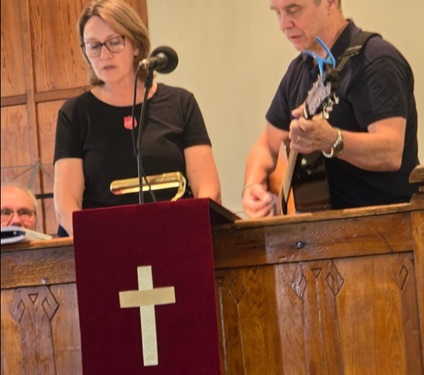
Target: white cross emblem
[{"x": 146, "y": 298}]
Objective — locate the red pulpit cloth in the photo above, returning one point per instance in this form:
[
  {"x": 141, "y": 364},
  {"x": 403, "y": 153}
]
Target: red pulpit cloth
[{"x": 171, "y": 241}]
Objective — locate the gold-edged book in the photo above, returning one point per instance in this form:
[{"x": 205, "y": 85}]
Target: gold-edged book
[{"x": 162, "y": 181}]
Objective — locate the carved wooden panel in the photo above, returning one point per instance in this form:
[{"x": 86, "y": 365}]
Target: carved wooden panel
[
  {"x": 355, "y": 315},
  {"x": 246, "y": 312},
  {"x": 40, "y": 331}
]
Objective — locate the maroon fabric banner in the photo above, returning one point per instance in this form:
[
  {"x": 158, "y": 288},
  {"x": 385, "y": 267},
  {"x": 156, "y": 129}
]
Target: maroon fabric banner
[{"x": 174, "y": 240}]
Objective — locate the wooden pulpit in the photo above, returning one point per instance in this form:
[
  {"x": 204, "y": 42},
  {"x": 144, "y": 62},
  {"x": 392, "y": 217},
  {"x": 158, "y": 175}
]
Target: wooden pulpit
[
  {"x": 329, "y": 293},
  {"x": 146, "y": 289}
]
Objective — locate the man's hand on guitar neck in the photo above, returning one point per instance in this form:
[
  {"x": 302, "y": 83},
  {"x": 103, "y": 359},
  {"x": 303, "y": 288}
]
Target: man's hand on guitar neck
[
  {"x": 311, "y": 135},
  {"x": 257, "y": 201}
]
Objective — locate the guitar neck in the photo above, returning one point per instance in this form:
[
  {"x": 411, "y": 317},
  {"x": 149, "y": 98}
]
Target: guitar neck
[
  {"x": 291, "y": 162},
  {"x": 318, "y": 96}
]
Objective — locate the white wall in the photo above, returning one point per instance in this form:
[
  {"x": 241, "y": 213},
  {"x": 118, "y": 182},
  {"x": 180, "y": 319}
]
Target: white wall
[{"x": 233, "y": 55}]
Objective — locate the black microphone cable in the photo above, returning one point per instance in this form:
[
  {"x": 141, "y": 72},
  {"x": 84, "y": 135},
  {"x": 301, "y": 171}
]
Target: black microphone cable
[
  {"x": 137, "y": 148},
  {"x": 165, "y": 61}
]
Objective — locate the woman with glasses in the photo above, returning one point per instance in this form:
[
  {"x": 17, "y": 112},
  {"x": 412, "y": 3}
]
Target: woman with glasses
[
  {"x": 94, "y": 137},
  {"x": 18, "y": 207}
]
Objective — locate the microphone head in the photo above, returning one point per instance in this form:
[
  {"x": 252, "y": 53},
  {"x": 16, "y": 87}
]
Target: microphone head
[{"x": 172, "y": 57}]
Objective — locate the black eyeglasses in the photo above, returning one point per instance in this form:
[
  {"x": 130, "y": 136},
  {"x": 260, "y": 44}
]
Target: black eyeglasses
[
  {"x": 23, "y": 213},
  {"x": 115, "y": 44}
]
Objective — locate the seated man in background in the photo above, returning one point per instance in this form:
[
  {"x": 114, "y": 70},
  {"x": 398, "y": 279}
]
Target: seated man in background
[{"x": 18, "y": 207}]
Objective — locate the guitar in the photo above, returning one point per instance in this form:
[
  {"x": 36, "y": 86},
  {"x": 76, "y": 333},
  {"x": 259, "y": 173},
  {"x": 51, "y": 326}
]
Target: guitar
[{"x": 305, "y": 174}]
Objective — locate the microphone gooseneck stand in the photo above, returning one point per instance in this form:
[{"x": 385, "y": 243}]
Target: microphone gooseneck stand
[
  {"x": 164, "y": 60},
  {"x": 147, "y": 85}
]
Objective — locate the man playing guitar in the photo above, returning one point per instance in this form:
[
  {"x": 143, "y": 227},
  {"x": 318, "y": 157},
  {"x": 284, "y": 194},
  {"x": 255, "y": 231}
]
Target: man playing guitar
[{"x": 369, "y": 139}]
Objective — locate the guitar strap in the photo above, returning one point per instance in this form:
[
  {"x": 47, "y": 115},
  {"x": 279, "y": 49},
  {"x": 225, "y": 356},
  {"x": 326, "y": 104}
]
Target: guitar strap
[{"x": 357, "y": 44}]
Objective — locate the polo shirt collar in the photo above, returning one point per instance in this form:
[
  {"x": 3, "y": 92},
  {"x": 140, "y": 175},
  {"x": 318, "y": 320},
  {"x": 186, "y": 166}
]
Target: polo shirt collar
[{"x": 341, "y": 44}]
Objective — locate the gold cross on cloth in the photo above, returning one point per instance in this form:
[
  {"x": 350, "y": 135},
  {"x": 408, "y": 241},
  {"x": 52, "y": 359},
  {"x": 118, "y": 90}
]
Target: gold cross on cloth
[{"x": 146, "y": 298}]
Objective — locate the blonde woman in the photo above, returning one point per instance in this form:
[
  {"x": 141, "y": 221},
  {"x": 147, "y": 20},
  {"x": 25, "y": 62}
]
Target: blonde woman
[{"x": 94, "y": 144}]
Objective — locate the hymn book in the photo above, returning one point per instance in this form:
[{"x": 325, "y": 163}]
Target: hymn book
[{"x": 13, "y": 233}]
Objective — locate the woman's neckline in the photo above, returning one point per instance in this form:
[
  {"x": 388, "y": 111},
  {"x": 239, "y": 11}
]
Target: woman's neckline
[{"x": 100, "y": 95}]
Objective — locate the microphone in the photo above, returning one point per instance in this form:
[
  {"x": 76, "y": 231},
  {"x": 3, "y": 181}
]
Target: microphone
[{"x": 162, "y": 59}]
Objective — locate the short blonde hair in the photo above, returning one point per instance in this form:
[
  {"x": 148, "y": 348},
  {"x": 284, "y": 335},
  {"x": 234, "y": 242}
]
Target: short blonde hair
[{"x": 125, "y": 21}]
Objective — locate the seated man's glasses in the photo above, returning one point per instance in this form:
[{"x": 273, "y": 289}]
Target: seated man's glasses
[
  {"x": 115, "y": 44},
  {"x": 23, "y": 213}
]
